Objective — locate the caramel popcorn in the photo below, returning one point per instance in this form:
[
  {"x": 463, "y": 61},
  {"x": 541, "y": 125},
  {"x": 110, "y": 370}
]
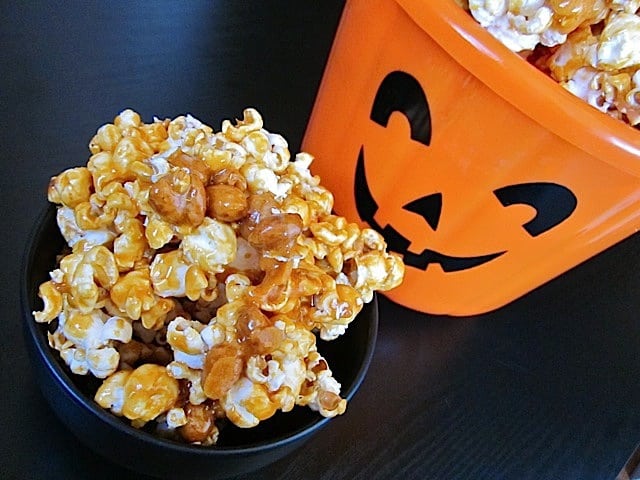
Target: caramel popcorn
[
  {"x": 590, "y": 47},
  {"x": 202, "y": 267}
]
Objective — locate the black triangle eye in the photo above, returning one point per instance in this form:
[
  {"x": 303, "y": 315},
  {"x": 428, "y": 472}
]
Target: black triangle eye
[
  {"x": 553, "y": 203},
  {"x": 428, "y": 207}
]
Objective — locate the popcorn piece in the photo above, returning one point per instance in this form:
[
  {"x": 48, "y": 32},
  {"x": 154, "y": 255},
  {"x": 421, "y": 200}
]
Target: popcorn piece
[
  {"x": 282, "y": 369},
  {"x": 88, "y": 275},
  {"x": 158, "y": 232},
  {"x": 185, "y": 339},
  {"x": 155, "y": 317},
  {"x": 148, "y": 392},
  {"x": 101, "y": 362},
  {"x": 211, "y": 246},
  {"x": 335, "y": 309},
  {"x": 187, "y": 131},
  {"x": 307, "y": 186},
  {"x": 176, "y": 417},
  {"x": 71, "y": 187},
  {"x": 375, "y": 269},
  {"x": 619, "y": 45},
  {"x": 52, "y": 299},
  {"x": 73, "y": 234},
  {"x": 92, "y": 214},
  {"x": 321, "y": 392},
  {"x": 251, "y": 122},
  {"x": 629, "y": 6},
  {"x": 121, "y": 165},
  {"x": 181, "y": 371},
  {"x": 132, "y": 293},
  {"x": 110, "y": 394},
  {"x": 173, "y": 276},
  {"x": 263, "y": 179},
  {"x": 131, "y": 245},
  {"x": 85, "y": 341},
  {"x": 140, "y": 395},
  {"x": 94, "y": 330},
  {"x": 247, "y": 403},
  {"x": 236, "y": 286}
]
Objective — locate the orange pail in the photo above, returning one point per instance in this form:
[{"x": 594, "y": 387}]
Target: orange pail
[{"x": 484, "y": 174}]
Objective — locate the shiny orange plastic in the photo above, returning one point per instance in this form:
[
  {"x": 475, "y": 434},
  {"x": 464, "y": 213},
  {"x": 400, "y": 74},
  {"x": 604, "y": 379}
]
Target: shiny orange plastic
[{"x": 488, "y": 177}]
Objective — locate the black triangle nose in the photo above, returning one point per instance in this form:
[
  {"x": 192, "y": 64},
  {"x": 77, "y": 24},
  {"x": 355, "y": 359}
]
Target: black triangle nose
[{"x": 428, "y": 207}]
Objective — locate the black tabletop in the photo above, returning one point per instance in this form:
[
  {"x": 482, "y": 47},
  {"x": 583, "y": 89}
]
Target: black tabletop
[{"x": 547, "y": 387}]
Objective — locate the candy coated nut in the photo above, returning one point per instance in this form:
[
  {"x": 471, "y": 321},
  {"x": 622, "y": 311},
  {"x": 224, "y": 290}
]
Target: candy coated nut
[
  {"x": 179, "y": 198},
  {"x": 222, "y": 368},
  {"x": 195, "y": 166},
  {"x": 328, "y": 400},
  {"x": 230, "y": 177},
  {"x": 226, "y": 203},
  {"x": 200, "y": 424},
  {"x": 276, "y": 233},
  {"x": 267, "y": 339},
  {"x": 249, "y": 319}
]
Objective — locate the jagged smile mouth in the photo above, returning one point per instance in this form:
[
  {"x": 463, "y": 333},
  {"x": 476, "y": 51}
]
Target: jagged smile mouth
[{"x": 367, "y": 208}]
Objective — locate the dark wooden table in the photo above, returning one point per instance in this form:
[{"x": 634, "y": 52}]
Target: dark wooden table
[{"x": 547, "y": 387}]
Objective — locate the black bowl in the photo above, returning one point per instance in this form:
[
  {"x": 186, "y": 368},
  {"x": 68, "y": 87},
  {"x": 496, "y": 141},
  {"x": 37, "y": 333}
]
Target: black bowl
[{"x": 238, "y": 450}]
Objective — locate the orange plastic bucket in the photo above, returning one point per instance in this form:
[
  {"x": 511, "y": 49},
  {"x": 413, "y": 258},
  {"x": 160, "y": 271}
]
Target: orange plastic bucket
[{"x": 488, "y": 177}]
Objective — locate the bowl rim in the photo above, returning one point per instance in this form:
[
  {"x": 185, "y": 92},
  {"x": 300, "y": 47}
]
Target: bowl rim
[
  {"x": 515, "y": 80},
  {"x": 54, "y": 366}
]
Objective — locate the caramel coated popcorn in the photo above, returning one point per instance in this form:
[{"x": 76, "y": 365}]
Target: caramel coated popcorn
[
  {"x": 590, "y": 47},
  {"x": 202, "y": 266}
]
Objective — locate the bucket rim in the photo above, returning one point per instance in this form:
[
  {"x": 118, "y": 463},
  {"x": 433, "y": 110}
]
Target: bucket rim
[{"x": 516, "y": 81}]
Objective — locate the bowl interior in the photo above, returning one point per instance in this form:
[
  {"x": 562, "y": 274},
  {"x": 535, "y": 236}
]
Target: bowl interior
[{"x": 348, "y": 356}]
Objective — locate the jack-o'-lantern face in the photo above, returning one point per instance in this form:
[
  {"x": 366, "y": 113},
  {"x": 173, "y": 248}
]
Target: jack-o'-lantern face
[
  {"x": 400, "y": 92},
  {"x": 486, "y": 176},
  {"x": 460, "y": 225}
]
